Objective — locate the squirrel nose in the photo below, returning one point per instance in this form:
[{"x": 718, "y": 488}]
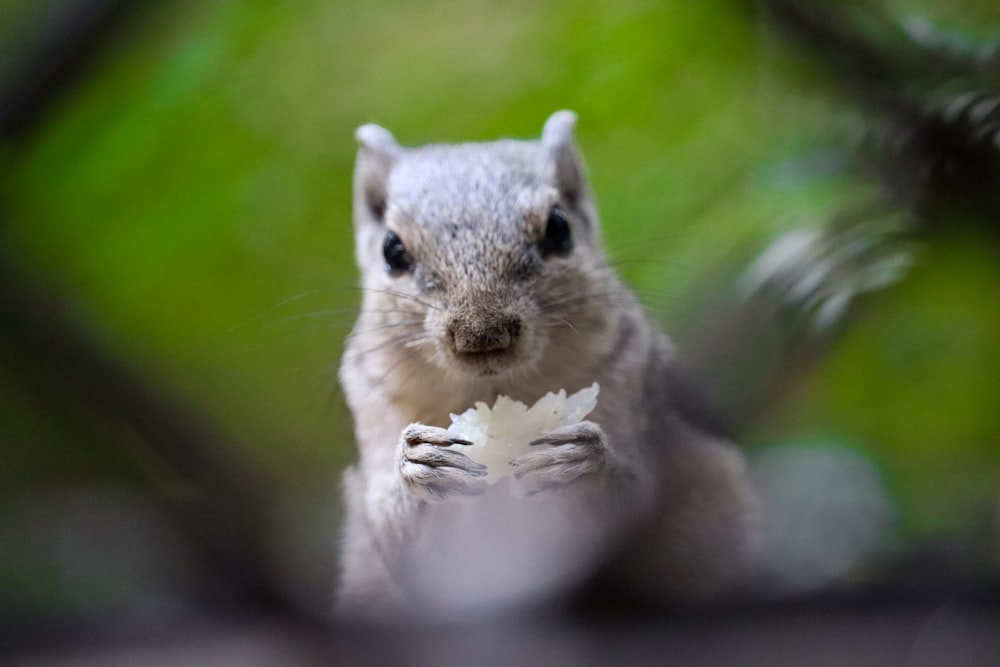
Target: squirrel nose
[{"x": 492, "y": 333}]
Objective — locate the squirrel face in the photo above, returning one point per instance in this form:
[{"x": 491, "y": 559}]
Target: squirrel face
[{"x": 483, "y": 255}]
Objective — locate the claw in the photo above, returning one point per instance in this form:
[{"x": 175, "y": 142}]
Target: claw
[
  {"x": 418, "y": 434},
  {"x": 578, "y": 453},
  {"x": 438, "y": 457},
  {"x": 441, "y": 483},
  {"x": 583, "y": 433},
  {"x": 433, "y": 471}
]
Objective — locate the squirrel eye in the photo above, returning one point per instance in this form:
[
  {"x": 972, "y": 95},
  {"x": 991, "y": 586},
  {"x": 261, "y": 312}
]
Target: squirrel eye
[
  {"x": 397, "y": 259},
  {"x": 558, "y": 239}
]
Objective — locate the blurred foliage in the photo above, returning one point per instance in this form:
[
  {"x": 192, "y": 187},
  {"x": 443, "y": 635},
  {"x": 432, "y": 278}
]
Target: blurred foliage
[
  {"x": 191, "y": 197},
  {"x": 917, "y": 380}
]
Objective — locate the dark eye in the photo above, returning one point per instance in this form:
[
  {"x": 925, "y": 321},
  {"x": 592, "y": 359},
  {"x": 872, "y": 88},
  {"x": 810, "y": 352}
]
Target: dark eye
[
  {"x": 397, "y": 259},
  {"x": 557, "y": 240}
]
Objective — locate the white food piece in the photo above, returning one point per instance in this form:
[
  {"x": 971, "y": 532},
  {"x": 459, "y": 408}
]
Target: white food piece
[{"x": 504, "y": 431}]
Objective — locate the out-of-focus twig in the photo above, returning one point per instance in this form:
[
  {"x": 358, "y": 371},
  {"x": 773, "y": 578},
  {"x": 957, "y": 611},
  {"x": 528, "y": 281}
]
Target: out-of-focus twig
[
  {"x": 50, "y": 57},
  {"x": 225, "y": 498},
  {"x": 932, "y": 144},
  {"x": 932, "y": 99}
]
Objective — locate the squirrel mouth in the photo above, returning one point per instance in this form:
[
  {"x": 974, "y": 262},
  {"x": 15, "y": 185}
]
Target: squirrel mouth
[{"x": 488, "y": 363}]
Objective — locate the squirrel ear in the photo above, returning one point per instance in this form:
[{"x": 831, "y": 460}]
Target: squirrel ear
[
  {"x": 557, "y": 139},
  {"x": 558, "y": 130},
  {"x": 376, "y": 138},
  {"x": 377, "y": 153}
]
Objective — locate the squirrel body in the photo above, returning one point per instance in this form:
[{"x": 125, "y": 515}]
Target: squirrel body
[{"x": 483, "y": 275}]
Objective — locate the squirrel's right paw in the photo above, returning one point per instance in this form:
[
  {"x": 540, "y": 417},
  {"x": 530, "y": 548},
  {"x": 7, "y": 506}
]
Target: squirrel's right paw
[{"x": 432, "y": 472}]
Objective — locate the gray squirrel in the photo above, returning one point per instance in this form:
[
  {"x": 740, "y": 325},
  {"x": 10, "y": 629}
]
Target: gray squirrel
[{"x": 483, "y": 275}]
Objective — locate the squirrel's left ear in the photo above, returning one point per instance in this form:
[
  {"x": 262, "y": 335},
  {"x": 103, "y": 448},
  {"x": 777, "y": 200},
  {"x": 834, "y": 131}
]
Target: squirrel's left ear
[
  {"x": 377, "y": 153},
  {"x": 557, "y": 138}
]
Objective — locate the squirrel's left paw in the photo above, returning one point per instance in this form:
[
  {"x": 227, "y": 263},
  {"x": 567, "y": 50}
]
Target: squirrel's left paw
[{"x": 579, "y": 451}]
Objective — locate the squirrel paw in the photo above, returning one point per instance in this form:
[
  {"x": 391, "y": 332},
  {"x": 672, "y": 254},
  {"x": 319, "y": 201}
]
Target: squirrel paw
[
  {"x": 432, "y": 472},
  {"x": 580, "y": 451}
]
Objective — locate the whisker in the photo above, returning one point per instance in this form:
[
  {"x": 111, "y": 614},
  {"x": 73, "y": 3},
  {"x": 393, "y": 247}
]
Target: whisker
[
  {"x": 402, "y": 295},
  {"x": 363, "y": 328},
  {"x": 402, "y": 387},
  {"x": 573, "y": 300},
  {"x": 405, "y": 340},
  {"x": 556, "y": 319},
  {"x": 344, "y": 316}
]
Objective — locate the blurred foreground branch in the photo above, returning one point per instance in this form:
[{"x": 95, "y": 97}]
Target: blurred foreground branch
[
  {"x": 931, "y": 103},
  {"x": 221, "y": 501},
  {"x": 50, "y": 57},
  {"x": 932, "y": 98}
]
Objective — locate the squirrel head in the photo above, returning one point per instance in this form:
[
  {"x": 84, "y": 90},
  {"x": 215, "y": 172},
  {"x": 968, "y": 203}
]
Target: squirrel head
[{"x": 489, "y": 249}]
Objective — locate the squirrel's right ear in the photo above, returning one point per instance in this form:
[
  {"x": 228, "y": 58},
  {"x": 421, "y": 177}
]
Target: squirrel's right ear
[
  {"x": 377, "y": 153},
  {"x": 557, "y": 138}
]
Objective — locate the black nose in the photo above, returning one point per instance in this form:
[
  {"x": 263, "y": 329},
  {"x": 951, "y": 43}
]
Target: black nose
[{"x": 486, "y": 333}]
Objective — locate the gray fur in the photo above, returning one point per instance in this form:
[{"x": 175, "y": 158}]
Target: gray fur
[{"x": 482, "y": 313}]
